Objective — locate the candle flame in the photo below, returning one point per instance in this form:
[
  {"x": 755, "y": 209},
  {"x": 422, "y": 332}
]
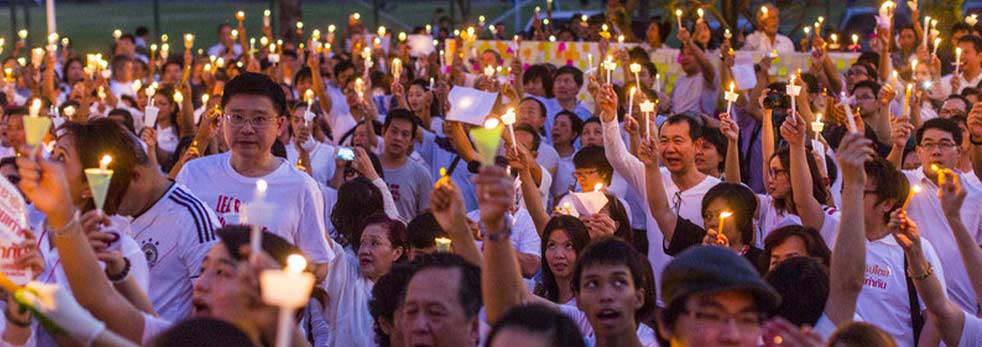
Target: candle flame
[
  {"x": 491, "y": 123},
  {"x": 598, "y": 187},
  {"x": 309, "y": 95},
  {"x": 915, "y": 189},
  {"x": 443, "y": 172},
  {"x": 678, "y": 12},
  {"x": 725, "y": 214},
  {"x": 262, "y": 185},
  {"x": 295, "y": 263},
  {"x": 935, "y": 168},
  {"x": 104, "y": 163}
]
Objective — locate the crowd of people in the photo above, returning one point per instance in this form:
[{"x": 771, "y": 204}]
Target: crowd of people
[{"x": 825, "y": 209}]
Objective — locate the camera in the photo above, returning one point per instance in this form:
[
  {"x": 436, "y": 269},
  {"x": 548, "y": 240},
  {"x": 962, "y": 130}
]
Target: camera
[
  {"x": 346, "y": 154},
  {"x": 775, "y": 100}
]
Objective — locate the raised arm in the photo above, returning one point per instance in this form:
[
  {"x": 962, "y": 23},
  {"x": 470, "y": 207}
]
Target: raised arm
[
  {"x": 731, "y": 130},
  {"x": 766, "y": 138},
  {"x": 323, "y": 99},
  {"x": 657, "y": 198},
  {"x": 952, "y": 198},
  {"x": 951, "y": 319},
  {"x": 501, "y": 279},
  {"x": 530, "y": 192},
  {"x": 900, "y": 130},
  {"x": 975, "y": 133},
  {"x": 809, "y": 208},
  {"x": 847, "y": 265},
  {"x": 707, "y": 68},
  {"x": 448, "y": 209},
  {"x": 44, "y": 183}
]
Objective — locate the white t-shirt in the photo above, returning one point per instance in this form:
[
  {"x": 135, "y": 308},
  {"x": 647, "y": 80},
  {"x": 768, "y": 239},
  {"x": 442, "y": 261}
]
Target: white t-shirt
[
  {"x": 347, "y": 309},
  {"x": 548, "y": 157},
  {"x": 175, "y": 234},
  {"x": 945, "y": 85},
  {"x": 770, "y": 218},
  {"x": 167, "y": 139},
  {"x": 971, "y": 332},
  {"x": 299, "y": 207},
  {"x": 563, "y": 181},
  {"x": 694, "y": 93},
  {"x": 884, "y": 299},
  {"x": 759, "y": 41},
  {"x": 925, "y": 210},
  {"x": 410, "y": 186},
  {"x": 321, "y": 164},
  {"x": 524, "y": 237},
  {"x": 645, "y": 333}
]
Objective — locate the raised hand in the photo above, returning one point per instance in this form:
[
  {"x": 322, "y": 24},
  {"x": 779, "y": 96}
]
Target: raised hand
[
  {"x": 363, "y": 164},
  {"x": 900, "y": 130},
  {"x": 781, "y": 333},
  {"x": 793, "y": 130},
  {"x": 853, "y": 153},
  {"x": 599, "y": 225},
  {"x": 447, "y": 204},
  {"x": 648, "y": 151},
  {"x": 607, "y": 103},
  {"x": 495, "y": 196},
  {"x": 714, "y": 238},
  {"x": 43, "y": 182},
  {"x": 904, "y": 230},
  {"x": 728, "y": 127},
  {"x": 952, "y": 196}
]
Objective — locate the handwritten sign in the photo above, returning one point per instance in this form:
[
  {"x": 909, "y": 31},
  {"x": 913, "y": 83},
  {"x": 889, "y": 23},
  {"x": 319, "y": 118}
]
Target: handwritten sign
[{"x": 13, "y": 219}]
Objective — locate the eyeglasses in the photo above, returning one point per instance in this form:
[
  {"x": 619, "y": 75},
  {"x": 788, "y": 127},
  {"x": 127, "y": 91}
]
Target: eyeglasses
[
  {"x": 744, "y": 321},
  {"x": 775, "y": 172},
  {"x": 260, "y": 122},
  {"x": 944, "y": 146}
]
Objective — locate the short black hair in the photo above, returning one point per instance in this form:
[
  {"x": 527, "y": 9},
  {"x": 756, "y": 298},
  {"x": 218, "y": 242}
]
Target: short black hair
[
  {"x": 342, "y": 65},
  {"x": 714, "y": 136},
  {"x": 741, "y": 200},
  {"x": 388, "y": 295},
  {"x": 469, "y": 287},
  {"x": 235, "y": 236},
  {"x": 540, "y": 72},
  {"x": 142, "y": 31},
  {"x": 803, "y": 283},
  {"x": 942, "y": 124},
  {"x": 127, "y": 118},
  {"x": 304, "y": 73},
  {"x": 536, "y": 139},
  {"x": 205, "y": 332},
  {"x": 609, "y": 250},
  {"x": 974, "y": 40},
  {"x": 870, "y": 59},
  {"x": 104, "y": 136},
  {"x": 422, "y": 230},
  {"x": 957, "y": 26},
  {"x": 568, "y": 69},
  {"x": 814, "y": 244},
  {"x": 963, "y": 99},
  {"x": 870, "y": 83},
  {"x": 889, "y": 184},
  {"x": 402, "y": 114},
  {"x": 255, "y": 84},
  {"x": 593, "y": 157},
  {"x": 695, "y": 128},
  {"x": 357, "y": 199},
  {"x": 557, "y": 329},
  {"x": 575, "y": 122}
]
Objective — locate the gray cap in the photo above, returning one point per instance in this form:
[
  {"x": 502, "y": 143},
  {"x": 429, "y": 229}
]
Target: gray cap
[{"x": 714, "y": 269}]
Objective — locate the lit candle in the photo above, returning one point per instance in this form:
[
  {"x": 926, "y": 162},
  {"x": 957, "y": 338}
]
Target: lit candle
[
  {"x": 818, "y": 125},
  {"x": 678, "y": 17},
  {"x": 938, "y": 170},
  {"x": 647, "y": 107},
  {"x": 487, "y": 139},
  {"x": 509, "y": 119},
  {"x": 589, "y": 61},
  {"x": 620, "y": 42},
  {"x": 910, "y": 196},
  {"x": 910, "y": 88},
  {"x": 35, "y": 126},
  {"x": 98, "y": 179},
  {"x": 402, "y": 36},
  {"x": 793, "y": 91},
  {"x": 958, "y": 60},
  {"x": 266, "y": 18},
  {"x": 731, "y": 97},
  {"x": 489, "y": 71},
  {"x": 442, "y": 244},
  {"x": 630, "y": 101},
  {"x": 925, "y": 30},
  {"x": 700, "y": 12},
  {"x": 396, "y": 68},
  {"x": 818, "y": 25},
  {"x": 288, "y": 289},
  {"x": 251, "y": 213},
  {"x": 117, "y": 34},
  {"x": 937, "y": 43},
  {"x": 188, "y": 41},
  {"x": 240, "y": 16},
  {"x": 360, "y": 87},
  {"x": 444, "y": 179},
  {"x": 844, "y": 101},
  {"x": 855, "y": 42},
  {"x": 722, "y": 217},
  {"x": 609, "y": 65},
  {"x": 178, "y": 97},
  {"x": 636, "y": 69}
]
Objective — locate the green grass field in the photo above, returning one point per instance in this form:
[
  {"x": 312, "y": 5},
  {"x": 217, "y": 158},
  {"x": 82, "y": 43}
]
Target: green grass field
[{"x": 90, "y": 26}]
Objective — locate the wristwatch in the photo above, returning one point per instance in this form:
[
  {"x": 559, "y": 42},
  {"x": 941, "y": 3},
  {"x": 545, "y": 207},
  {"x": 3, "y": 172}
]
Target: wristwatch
[
  {"x": 972, "y": 139},
  {"x": 499, "y": 235}
]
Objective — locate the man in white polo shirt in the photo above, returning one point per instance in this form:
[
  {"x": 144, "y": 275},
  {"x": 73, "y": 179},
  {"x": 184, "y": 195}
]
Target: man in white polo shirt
[
  {"x": 938, "y": 144},
  {"x": 254, "y": 112}
]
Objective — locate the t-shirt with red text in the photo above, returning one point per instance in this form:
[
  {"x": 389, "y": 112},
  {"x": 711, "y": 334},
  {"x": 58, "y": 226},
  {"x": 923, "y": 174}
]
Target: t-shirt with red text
[{"x": 295, "y": 206}]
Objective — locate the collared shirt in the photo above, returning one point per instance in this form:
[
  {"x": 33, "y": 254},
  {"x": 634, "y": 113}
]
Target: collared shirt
[
  {"x": 945, "y": 86},
  {"x": 925, "y": 210},
  {"x": 759, "y": 41}
]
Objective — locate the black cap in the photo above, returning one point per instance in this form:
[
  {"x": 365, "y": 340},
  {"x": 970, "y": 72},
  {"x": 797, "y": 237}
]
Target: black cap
[{"x": 714, "y": 269}]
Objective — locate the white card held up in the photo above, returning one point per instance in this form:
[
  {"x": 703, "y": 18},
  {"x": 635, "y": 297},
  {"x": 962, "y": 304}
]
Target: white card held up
[
  {"x": 743, "y": 71},
  {"x": 590, "y": 203},
  {"x": 470, "y": 105},
  {"x": 420, "y": 45}
]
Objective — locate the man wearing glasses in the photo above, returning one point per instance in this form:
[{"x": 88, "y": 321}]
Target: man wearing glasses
[
  {"x": 939, "y": 144},
  {"x": 254, "y": 113}
]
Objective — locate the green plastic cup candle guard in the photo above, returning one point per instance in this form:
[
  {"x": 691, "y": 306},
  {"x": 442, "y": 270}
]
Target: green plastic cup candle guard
[
  {"x": 487, "y": 140},
  {"x": 99, "y": 179}
]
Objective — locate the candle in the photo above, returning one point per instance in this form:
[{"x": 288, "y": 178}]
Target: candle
[
  {"x": 240, "y": 16},
  {"x": 722, "y": 217},
  {"x": 402, "y": 36},
  {"x": 844, "y": 101},
  {"x": 658, "y": 82},
  {"x": 251, "y": 213},
  {"x": 958, "y": 60},
  {"x": 630, "y": 101},
  {"x": 647, "y": 107},
  {"x": 910, "y": 88},
  {"x": 855, "y": 42},
  {"x": 937, "y": 43},
  {"x": 487, "y": 139},
  {"x": 360, "y": 87},
  {"x": 117, "y": 34},
  {"x": 288, "y": 289},
  {"x": 22, "y": 34},
  {"x": 636, "y": 69},
  {"x": 178, "y": 97},
  {"x": 35, "y": 126},
  {"x": 489, "y": 71},
  {"x": 609, "y": 65},
  {"x": 443, "y": 62},
  {"x": 509, "y": 120},
  {"x": 589, "y": 61},
  {"x": 309, "y": 96},
  {"x": 98, "y": 179},
  {"x": 396, "y": 68},
  {"x": 940, "y": 172},
  {"x": 700, "y": 12},
  {"x": 793, "y": 91},
  {"x": 188, "y": 41},
  {"x": 910, "y": 196},
  {"x": 818, "y": 125},
  {"x": 620, "y": 42},
  {"x": 443, "y": 178},
  {"x": 432, "y": 83},
  {"x": 731, "y": 97},
  {"x": 678, "y": 17},
  {"x": 603, "y": 31},
  {"x": 925, "y": 30},
  {"x": 808, "y": 33},
  {"x": 266, "y": 18},
  {"x": 818, "y": 26},
  {"x": 442, "y": 244},
  {"x": 516, "y": 44}
]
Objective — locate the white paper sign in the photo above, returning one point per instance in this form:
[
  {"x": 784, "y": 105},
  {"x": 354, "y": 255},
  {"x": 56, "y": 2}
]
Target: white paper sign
[
  {"x": 590, "y": 203},
  {"x": 13, "y": 219},
  {"x": 420, "y": 45},
  {"x": 743, "y": 72},
  {"x": 470, "y": 105}
]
